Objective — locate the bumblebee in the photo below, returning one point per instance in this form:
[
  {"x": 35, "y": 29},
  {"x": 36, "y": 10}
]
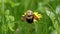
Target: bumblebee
[{"x": 29, "y": 17}]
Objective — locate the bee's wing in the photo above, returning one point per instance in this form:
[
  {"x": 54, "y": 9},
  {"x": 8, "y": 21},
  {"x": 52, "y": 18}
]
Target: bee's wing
[{"x": 35, "y": 17}]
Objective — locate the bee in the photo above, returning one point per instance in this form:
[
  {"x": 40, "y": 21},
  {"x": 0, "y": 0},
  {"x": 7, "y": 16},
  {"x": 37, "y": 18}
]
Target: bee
[{"x": 29, "y": 17}]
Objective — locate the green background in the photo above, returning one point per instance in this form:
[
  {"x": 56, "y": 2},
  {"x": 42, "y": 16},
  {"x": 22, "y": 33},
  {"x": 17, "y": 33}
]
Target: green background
[{"x": 11, "y": 12}]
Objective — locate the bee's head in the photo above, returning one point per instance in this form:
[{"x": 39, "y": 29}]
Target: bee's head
[{"x": 29, "y": 14}]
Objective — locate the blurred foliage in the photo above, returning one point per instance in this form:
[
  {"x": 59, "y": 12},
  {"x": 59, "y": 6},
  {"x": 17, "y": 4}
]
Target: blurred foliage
[{"x": 11, "y": 12}]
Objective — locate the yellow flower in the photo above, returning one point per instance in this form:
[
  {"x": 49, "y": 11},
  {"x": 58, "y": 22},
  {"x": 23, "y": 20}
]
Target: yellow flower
[
  {"x": 38, "y": 15},
  {"x": 24, "y": 14}
]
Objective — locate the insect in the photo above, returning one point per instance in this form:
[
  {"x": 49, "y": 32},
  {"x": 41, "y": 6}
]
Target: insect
[{"x": 29, "y": 17}]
